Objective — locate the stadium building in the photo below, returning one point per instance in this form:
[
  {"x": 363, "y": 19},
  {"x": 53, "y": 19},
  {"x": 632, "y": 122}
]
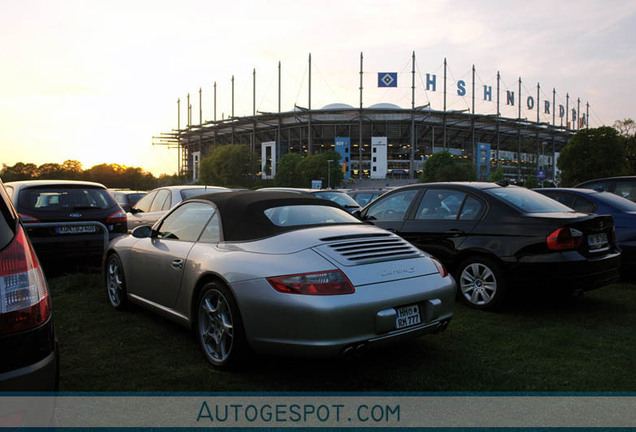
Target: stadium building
[{"x": 385, "y": 141}]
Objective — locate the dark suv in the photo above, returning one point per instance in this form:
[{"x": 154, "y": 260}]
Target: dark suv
[
  {"x": 28, "y": 349},
  {"x": 66, "y": 218}
]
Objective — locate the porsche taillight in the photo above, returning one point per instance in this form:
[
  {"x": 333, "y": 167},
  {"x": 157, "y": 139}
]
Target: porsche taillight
[
  {"x": 440, "y": 267},
  {"x": 24, "y": 293},
  {"x": 565, "y": 239},
  {"x": 332, "y": 282}
]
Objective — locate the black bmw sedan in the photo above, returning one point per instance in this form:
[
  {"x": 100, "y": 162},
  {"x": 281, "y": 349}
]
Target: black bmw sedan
[{"x": 496, "y": 238}]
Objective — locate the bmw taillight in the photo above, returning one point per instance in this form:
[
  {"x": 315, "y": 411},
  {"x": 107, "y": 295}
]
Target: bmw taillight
[
  {"x": 25, "y": 218},
  {"x": 564, "y": 239},
  {"x": 440, "y": 267},
  {"x": 24, "y": 294},
  {"x": 118, "y": 216},
  {"x": 332, "y": 282}
]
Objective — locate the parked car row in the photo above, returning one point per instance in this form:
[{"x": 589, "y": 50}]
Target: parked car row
[{"x": 301, "y": 271}]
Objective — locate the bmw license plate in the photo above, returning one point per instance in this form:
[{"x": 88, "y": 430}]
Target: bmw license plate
[
  {"x": 407, "y": 316},
  {"x": 596, "y": 241},
  {"x": 75, "y": 229}
]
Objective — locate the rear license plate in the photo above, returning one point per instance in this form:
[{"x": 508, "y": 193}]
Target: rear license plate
[
  {"x": 75, "y": 229},
  {"x": 596, "y": 241},
  {"x": 407, "y": 316}
]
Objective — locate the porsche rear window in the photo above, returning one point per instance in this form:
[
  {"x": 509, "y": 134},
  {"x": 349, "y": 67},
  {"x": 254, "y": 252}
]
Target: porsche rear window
[
  {"x": 295, "y": 215},
  {"x": 65, "y": 198}
]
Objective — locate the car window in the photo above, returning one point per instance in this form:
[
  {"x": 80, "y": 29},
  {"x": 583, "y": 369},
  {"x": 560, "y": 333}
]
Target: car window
[
  {"x": 10, "y": 191},
  {"x": 167, "y": 203},
  {"x": 144, "y": 204},
  {"x": 364, "y": 198},
  {"x": 601, "y": 185},
  {"x": 160, "y": 199},
  {"x": 391, "y": 207},
  {"x": 626, "y": 189},
  {"x": 133, "y": 197},
  {"x": 618, "y": 202},
  {"x": 212, "y": 231},
  {"x": 52, "y": 198},
  {"x": 440, "y": 204},
  {"x": 189, "y": 193},
  {"x": 339, "y": 198},
  {"x": 186, "y": 222},
  {"x": 583, "y": 205},
  {"x": 472, "y": 209},
  {"x": 527, "y": 201},
  {"x": 127, "y": 198},
  {"x": 120, "y": 198},
  {"x": 294, "y": 215},
  {"x": 564, "y": 198}
]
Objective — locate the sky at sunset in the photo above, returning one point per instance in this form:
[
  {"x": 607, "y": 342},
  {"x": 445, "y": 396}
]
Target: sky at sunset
[{"x": 95, "y": 81}]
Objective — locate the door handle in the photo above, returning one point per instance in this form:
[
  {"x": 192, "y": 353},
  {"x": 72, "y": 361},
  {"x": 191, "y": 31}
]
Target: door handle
[
  {"x": 177, "y": 263},
  {"x": 454, "y": 232}
]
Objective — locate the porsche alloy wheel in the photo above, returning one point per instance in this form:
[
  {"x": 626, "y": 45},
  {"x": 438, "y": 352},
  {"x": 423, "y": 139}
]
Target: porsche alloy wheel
[
  {"x": 218, "y": 326},
  {"x": 115, "y": 282}
]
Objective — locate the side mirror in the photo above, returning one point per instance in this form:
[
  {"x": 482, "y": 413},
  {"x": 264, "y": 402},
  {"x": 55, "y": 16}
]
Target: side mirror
[
  {"x": 143, "y": 231},
  {"x": 358, "y": 214}
]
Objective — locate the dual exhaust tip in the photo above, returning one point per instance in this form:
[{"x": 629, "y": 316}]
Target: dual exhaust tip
[
  {"x": 355, "y": 350},
  {"x": 359, "y": 349}
]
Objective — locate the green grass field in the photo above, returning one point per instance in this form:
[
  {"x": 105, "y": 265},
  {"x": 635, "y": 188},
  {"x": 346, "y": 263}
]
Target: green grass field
[{"x": 586, "y": 343}]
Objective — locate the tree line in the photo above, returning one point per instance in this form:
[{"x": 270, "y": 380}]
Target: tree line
[{"x": 110, "y": 175}]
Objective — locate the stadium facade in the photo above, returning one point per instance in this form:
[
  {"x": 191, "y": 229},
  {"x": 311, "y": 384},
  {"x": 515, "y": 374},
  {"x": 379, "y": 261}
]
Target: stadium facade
[{"x": 386, "y": 141}]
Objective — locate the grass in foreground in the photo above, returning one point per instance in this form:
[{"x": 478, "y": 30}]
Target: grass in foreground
[{"x": 584, "y": 344}]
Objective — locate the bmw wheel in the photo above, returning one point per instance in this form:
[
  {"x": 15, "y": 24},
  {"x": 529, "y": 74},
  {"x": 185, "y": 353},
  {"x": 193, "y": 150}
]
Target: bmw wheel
[
  {"x": 219, "y": 327},
  {"x": 115, "y": 282},
  {"x": 480, "y": 283}
]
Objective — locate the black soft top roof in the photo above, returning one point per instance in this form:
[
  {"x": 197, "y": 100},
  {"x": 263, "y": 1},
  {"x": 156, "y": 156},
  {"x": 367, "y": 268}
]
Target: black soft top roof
[{"x": 242, "y": 212}]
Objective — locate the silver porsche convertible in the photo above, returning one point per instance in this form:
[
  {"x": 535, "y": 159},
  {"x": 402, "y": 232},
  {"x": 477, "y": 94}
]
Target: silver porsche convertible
[{"x": 278, "y": 272}]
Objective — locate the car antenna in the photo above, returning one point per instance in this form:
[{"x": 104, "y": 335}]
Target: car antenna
[{"x": 502, "y": 183}]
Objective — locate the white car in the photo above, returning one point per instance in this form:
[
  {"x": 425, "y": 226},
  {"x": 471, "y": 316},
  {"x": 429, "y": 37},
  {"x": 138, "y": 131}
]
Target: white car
[{"x": 158, "y": 201}]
